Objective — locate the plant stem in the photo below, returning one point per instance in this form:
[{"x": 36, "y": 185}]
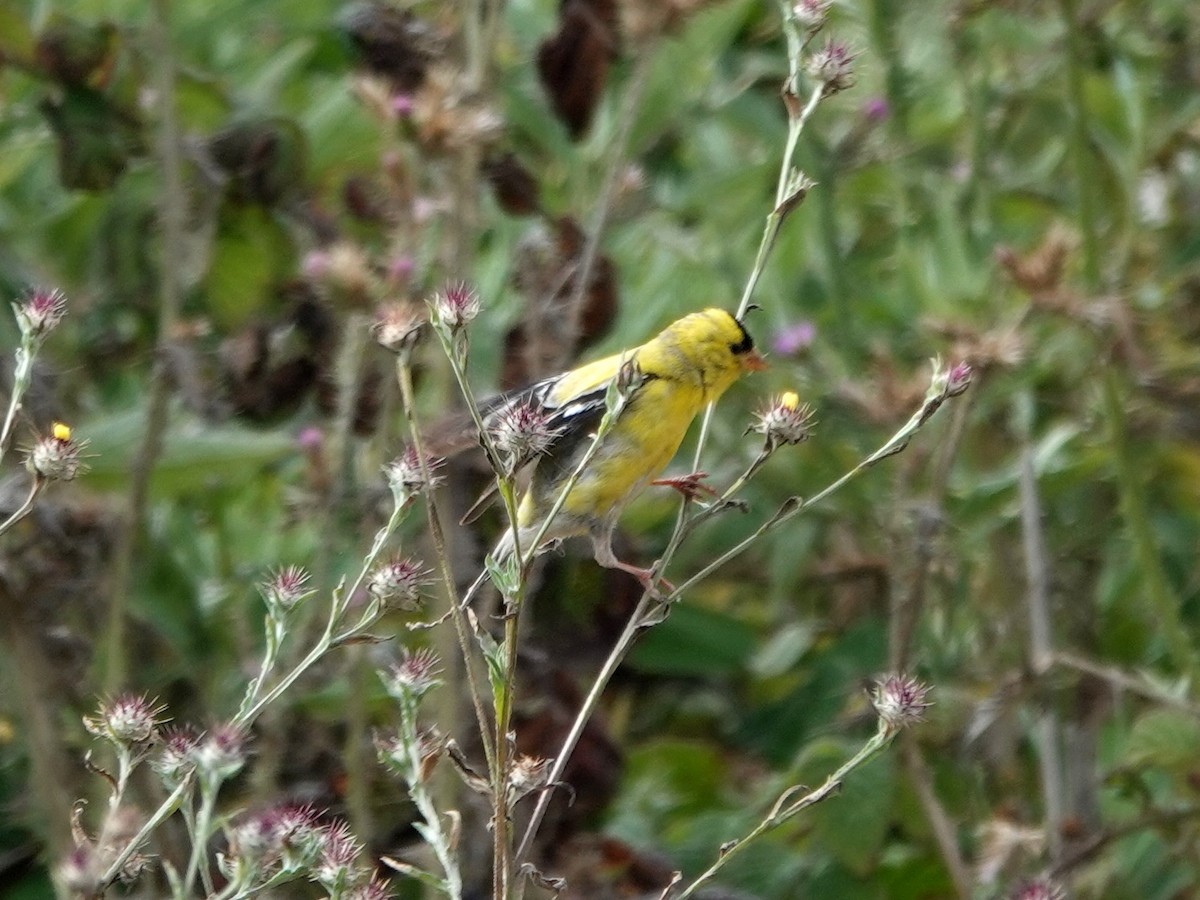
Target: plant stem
[
  {"x": 778, "y": 816},
  {"x": 172, "y": 216},
  {"x": 23, "y": 510},
  {"x": 407, "y": 399}
]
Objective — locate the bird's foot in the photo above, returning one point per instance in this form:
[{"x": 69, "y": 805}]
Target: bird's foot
[
  {"x": 646, "y": 578},
  {"x": 691, "y": 486}
]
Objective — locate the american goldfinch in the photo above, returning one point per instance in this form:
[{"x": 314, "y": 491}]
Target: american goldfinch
[{"x": 681, "y": 370}]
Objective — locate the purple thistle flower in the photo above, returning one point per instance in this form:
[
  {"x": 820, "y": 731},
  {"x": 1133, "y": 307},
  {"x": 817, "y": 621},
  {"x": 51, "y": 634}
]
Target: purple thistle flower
[
  {"x": 521, "y": 432},
  {"x": 127, "y": 719},
  {"x": 41, "y": 311},
  {"x": 899, "y": 701},
  {"x": 876, "y": 109},
  {"x": 286, "y": 588},
  {"x": 791, "y": 339},
  {"x": 415, "y": 675},
  {"x": 397, "y": 584},
  {"x": 456, "y": 305},
  {"x": 833, "y": 66},
  {"x": 405, "y": 477},
  {"x": 1039, "y": 889},
  {"x": 221, "y": 752},
  {"x": 175, "y": 760},
  {"x": 56, "y": 456},
  {"x": 375, "y": 889}
]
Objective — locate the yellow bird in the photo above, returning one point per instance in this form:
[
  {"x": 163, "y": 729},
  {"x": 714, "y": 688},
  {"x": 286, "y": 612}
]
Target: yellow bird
[{"x": 682, "y": 369}]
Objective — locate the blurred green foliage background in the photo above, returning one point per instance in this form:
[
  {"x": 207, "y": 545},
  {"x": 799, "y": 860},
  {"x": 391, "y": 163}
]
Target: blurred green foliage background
[{"x": 1016, "y": 184}]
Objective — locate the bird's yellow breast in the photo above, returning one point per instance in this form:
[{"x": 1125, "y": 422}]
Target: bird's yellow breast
[{"x": 651, "y": 429}]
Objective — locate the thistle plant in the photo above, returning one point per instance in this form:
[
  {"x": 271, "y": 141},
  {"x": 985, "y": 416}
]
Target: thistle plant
[{"x": 288, "y": 842}]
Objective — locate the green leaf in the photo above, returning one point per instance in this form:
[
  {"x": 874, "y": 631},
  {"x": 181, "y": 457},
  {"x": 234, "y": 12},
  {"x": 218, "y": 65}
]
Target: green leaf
[
  {"x": 195, "y": 454},
  {"x": 1166, "y": 739},
  {"x": 695, "y": 641},
  {"x": 852, "y": 823}
]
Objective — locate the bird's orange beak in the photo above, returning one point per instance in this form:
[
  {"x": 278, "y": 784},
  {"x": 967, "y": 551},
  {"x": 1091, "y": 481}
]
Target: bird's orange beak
[{"x": 754, "y": 362}]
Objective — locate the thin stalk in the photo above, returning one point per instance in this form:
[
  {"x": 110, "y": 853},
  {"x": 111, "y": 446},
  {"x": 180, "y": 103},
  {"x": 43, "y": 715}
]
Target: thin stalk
[
  {"x": 637, "y": 621},
  {"x": 338, "y": 605},
  {"x": 407, "y": 400},
  {"x": 781, "y": 813},
  {"x": 422, "y": 799},
  {"x": 172, "y": 215},
  {"x": 160, "y": 815},
  {"x": 209, "y": 786},
  {"x": 22, "y": 375},
  {"x": 23, "y": 510}
]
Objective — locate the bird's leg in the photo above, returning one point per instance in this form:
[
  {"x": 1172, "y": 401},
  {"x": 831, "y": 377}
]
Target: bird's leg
[
  {"x": 691, "y": 485},
  {"x": 603, "y": 552}
]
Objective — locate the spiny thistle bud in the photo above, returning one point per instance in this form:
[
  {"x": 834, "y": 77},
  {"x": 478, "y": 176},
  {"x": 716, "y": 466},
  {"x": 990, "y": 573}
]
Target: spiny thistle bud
[
  {"x": 406, "y": 478},
  {"x": 398, "y": 753},
  {"x": 175, "y": 760},
  {"x": 56, "y": 456},
  {"x": 337, "y": 866},
  {"x": 40, "y": 312},
  {"x": 833, "y": 66},
  {"x": 528, "y": 774},
  {"x": 1040, "y": 889},
  {"x": 398, "y": 584},
  {"x": 397, "y": 326},
  {"x": 899, "y": 701},
  {"x": 520, "y": 432},
  {"x": 126, "y": 720},
  {"x": 414, "y": 676},
  {"x": 455, "y": 305},
  {"x": 286, "y": 588},
  {"x": 785, "y": 421},
  {"x": 221, "y": 753},
  {"x": 944, "y": 384},
  {"x": 375, "y": 889},
  {"x": 810, "y": 15},
  {"x": 300, "y": 836},
  {"x": 253, "y": 842}
]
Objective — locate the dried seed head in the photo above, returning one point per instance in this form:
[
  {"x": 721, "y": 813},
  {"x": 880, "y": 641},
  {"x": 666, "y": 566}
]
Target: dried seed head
[
  {"x": 126, "y": 720},
  {"x": 1039, "y": 889},
  {"x": 833, "y": 66},
  {"x": 785, "y": 421},
  {"x": 455, "y": 305},
  {"x": 414, "y": 676},
  {"x": 286, "y": 588},
  {"x": 899, "y": 701},
  {"x": 175, "y": 759},
  {"x": 221, "y": 753},
  {"x": 40, "y": 312},
  {"x": 56, "y": 456},
  {"x": 398, "y": 584},
  {"x": 406, "y": 478},
  {"x": 397, "y": 326},
  {"x": 528, "y": 774},
  {"x": 520, "y": 433}
]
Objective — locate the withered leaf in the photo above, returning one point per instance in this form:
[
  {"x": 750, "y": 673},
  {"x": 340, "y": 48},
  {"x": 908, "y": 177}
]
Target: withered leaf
[{"x": 573, "y": 63}]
